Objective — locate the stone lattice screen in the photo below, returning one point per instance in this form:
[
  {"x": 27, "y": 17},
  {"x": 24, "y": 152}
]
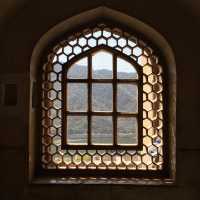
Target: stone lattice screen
[{"x": 151, "y": 156}]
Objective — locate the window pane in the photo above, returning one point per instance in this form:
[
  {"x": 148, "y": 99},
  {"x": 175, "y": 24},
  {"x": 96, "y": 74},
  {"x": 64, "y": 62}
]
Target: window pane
[
  {"x": 76, "y": 97},
  {"x": 102, "y": 97},
  {"x": 125, "y": 70},
  {"x": 102, "y": 130},
  {"x": 127, "y": 98},
  {"x": 127, "y": 131},
  {"x": 102, "y": 65},
  {"x": 77, "y": 130},
  {"x": 79, "y": 70}
]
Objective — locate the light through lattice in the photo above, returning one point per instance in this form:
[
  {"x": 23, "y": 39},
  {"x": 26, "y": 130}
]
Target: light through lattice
[{"x": 151, "y": 155}]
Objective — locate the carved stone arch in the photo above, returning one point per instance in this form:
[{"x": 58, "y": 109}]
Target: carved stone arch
[{"x": 132, "y": 24}]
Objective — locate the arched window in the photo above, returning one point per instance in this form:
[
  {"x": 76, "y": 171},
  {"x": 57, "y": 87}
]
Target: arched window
[
  {"x": 100, "y": 100},
  {"x": 103, "y": 108}
]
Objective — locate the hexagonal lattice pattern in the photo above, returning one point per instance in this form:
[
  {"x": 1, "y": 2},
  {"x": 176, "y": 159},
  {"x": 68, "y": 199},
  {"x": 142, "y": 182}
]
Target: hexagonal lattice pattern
[{"x": 151, "y": 156}]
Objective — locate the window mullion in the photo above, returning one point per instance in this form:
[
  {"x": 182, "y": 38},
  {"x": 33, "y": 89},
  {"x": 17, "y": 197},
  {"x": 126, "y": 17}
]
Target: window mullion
[
  {"x": 114, "y": 99},
  {"x": 89, "y": 97}
]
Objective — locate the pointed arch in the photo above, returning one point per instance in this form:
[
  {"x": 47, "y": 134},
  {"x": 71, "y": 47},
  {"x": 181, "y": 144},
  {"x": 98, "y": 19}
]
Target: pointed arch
[{"x": 143, "y": 31}]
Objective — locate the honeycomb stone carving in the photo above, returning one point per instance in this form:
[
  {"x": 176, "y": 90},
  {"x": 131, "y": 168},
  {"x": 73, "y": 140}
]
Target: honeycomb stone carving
[{"x": 151, "y": 156}]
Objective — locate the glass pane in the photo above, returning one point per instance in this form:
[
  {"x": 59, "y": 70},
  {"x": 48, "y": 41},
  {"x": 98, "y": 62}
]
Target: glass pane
[
  {"x": 102, "y": 130},
  {"x": 77, "y": 130},
  {"x": 77, "y": 97},
  {"x": 127, "y": 98},
  {"x": 79, "y": 70},
  {"x": 127, "y": 131},
  {"x": 102, "y": 97},
  {"x": 125, "y": 70},
  {"x": 102, "y": 65}
]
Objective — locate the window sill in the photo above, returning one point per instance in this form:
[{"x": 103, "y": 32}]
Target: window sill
[{"x": 94, "y": 180}]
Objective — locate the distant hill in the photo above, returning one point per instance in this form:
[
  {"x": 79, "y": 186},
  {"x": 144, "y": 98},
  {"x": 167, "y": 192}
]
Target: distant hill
[{"x": 79, "y": 71}]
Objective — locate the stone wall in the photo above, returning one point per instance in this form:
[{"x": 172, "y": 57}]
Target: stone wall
[{"x": 20, "y": 30}]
